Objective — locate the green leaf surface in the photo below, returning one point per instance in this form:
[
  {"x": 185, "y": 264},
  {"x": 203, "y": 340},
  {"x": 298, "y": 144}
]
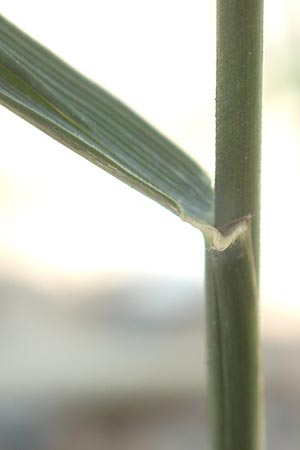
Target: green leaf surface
[{"x": 48, "y": 93}]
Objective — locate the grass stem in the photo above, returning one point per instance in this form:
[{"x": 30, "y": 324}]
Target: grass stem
[{"x": 232, "y": 275}]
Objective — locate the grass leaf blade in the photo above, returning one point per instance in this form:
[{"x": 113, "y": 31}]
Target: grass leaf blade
[{"x": 48, "y": 93}]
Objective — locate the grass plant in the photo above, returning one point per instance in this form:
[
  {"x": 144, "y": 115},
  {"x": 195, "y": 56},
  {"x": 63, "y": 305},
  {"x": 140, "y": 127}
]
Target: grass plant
[{"x": 45, "y": 91}]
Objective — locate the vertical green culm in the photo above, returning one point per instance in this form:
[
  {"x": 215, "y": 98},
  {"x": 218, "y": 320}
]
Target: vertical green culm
[{"x": 232, "y": 292}]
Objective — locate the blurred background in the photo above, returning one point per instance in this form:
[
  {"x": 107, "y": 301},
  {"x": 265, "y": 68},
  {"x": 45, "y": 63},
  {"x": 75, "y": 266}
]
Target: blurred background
[{"x": 101, "y": 290}]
